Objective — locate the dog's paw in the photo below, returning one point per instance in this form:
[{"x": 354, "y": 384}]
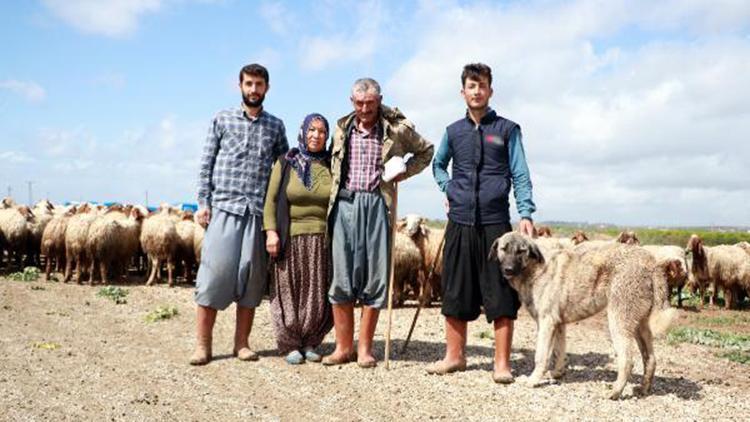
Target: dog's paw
[
  {"x": 530, "y": 381},
  {"x": 615, "y": 395},
  {"x": 639, "y": 391},
  {"x": 556, "y": 374}
]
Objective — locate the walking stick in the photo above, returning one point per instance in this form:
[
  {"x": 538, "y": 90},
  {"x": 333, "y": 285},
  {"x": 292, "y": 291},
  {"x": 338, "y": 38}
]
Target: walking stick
[
  {"x": 420, "y": 302},
  {"x": 392, "y": 277}
]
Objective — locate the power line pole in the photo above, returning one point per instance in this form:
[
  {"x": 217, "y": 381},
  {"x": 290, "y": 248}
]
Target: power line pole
[
  {"x": 147, "y": 198},
  {"x": 10, "y": 191},
  {"x": 31, "y": 197}
]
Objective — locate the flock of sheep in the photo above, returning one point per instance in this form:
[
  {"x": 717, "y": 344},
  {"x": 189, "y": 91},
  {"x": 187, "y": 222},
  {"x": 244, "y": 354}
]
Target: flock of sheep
[
  {"x": 698, "y": 267},
  {"x": 96, "y": 243},
  {"x": 91, "y": 242}
]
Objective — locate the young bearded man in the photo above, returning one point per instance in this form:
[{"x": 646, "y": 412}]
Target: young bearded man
[
  {"x": 242, "y": 145},
  {"x": 487, "y": 158}
]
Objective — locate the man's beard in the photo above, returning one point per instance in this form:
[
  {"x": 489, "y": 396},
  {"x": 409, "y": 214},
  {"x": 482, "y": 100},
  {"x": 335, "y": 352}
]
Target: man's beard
[{"x": 250, "y": 103}]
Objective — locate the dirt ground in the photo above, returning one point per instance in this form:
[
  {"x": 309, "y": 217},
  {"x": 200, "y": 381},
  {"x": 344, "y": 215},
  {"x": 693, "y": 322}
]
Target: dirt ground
[{"x": 113, "y": 365}]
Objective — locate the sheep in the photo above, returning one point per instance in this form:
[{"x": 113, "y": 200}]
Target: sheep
[
  {"x": 584, "y": 244},
  {"x": 628, "y": 238},
  {"x": 430, "y": 244},
  {"x": 198, "y": 236},
  {"x": 112, "y": 240},
  {"x": 76, "y": 237},
  {"x": 550, "y": 244},
  {"x": 186, "y": 228},
  {"x": 14, "y": 224},
  {"x": 407, "y": 264},
  {"x": 672, "y": 259},
  {"x": 579, "y": 237},
  {"x": 727, "y": 266},
  {"x": 159, "y": 242},
  {"x": 543, "y": 231},
  {"x": 53, "y": 241},
  {"x": 43, "y": 214}
]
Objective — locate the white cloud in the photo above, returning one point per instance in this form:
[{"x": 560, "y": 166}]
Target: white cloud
[
  {"x": 29, "y": 90},
  {"x": 625, "y": 131},
  {"x": 277, "y": 17},
  {"x": 318, "y": 52},
  {"x": 77, "y": 164},
  {"x": 15, "y": 157},
  {"x": 113, "y": 18}
]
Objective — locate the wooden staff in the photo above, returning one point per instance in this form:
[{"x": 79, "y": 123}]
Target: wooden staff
[
  {"x": 421, "y": 302},
  {"x": 392, "y": 277}
]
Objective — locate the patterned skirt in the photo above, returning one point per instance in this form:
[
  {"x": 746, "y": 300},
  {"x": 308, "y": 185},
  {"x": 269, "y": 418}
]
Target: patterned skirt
[{"x": 299, "y": 304}]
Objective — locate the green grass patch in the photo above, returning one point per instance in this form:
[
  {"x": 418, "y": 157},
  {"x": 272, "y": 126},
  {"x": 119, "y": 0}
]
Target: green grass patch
[
  {"x": 486, "y": 334},
  {"x": 116, "y": 294},
  {"x": 28, "y": 274},
  {"x": 706, "y": 337},
  {"x": 161, "y": 313},
  {"x": 722, "y": 319},
  {"x": 738, "y": 356}
]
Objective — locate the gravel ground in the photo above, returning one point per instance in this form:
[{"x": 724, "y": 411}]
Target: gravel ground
[{"x": 111, "y": 364}]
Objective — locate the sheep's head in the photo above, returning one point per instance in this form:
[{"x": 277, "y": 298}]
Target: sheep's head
[
  {"x": 26, "y": 212},
  {"x": 697, "y": 253},
  {"x": 675, "y": 269},
  {"x": 579, "y": 237},
  {"x": 44, "y": 204},
  {"x": 414, "y": 224},
  {"x": 136, "y": 214},
  {"x": 543, "y": 231},
  {"x": 187, "y": 215},
  {"x": 8, "y": 202},
  {"x": 628, "y": 238}
]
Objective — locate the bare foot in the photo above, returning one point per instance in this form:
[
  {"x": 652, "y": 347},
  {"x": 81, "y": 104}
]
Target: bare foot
[{"x": 445, "y": 366}]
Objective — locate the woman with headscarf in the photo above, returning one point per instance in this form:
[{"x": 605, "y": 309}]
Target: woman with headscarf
[{"x": 294, "y": 219}]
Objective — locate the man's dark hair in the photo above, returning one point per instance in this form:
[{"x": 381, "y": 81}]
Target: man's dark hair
[
  {"x": 476, "y": 71},
  {"x": 255, "y": 70}
]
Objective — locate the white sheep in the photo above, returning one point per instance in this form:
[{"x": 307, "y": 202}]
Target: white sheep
[
  {"x": 53, "y": 241},
  {"x": 159, "y": 242},
  {"x": 76, "y": 238},
  {"x": 429, "y": 241},
  {"x": 113, "y": 240},
  {"x": 727, "y": 266},
  {"x": 14, "y": 224},
  {"x": 672, "y": 260}
]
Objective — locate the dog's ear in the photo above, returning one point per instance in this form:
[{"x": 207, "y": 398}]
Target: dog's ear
[
  {"x": 535, "y": 252},
  {"x": 493, "y": 250}
]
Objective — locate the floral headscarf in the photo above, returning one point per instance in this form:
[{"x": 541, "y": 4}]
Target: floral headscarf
[{"x": 300, "y": 158}]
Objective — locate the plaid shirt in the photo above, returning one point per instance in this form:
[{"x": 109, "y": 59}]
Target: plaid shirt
[
  {"x": 365, "y": 159},
  {"x": 237, "y": 160}
]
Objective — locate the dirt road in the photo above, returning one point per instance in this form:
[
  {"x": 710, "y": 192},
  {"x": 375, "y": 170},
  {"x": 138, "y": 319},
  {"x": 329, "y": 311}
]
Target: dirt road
[{"x": 67, "y": 354}]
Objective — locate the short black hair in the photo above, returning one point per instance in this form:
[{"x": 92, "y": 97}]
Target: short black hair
[
  {"x": 255, "y": 70},
  {"x": 476, "y": 71}
]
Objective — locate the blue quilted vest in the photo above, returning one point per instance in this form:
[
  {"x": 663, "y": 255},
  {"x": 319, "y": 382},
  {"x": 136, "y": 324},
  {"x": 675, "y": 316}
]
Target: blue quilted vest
[{"x": 480, "y": 174}]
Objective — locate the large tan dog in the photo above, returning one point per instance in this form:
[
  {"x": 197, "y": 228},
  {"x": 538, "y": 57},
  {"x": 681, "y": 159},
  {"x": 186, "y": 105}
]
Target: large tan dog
[{"x": 568, "y": 285}]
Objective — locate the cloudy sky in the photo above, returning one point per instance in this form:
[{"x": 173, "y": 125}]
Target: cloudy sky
[{"x": 633, "y": 112}]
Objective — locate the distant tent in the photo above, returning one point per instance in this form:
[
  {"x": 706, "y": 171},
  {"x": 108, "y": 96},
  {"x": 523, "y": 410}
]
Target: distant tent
[{"x": 189, "y": 207}]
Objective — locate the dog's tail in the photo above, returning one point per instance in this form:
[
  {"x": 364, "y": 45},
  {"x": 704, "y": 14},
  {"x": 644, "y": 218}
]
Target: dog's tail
[{"x": 662, "y": 313}]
